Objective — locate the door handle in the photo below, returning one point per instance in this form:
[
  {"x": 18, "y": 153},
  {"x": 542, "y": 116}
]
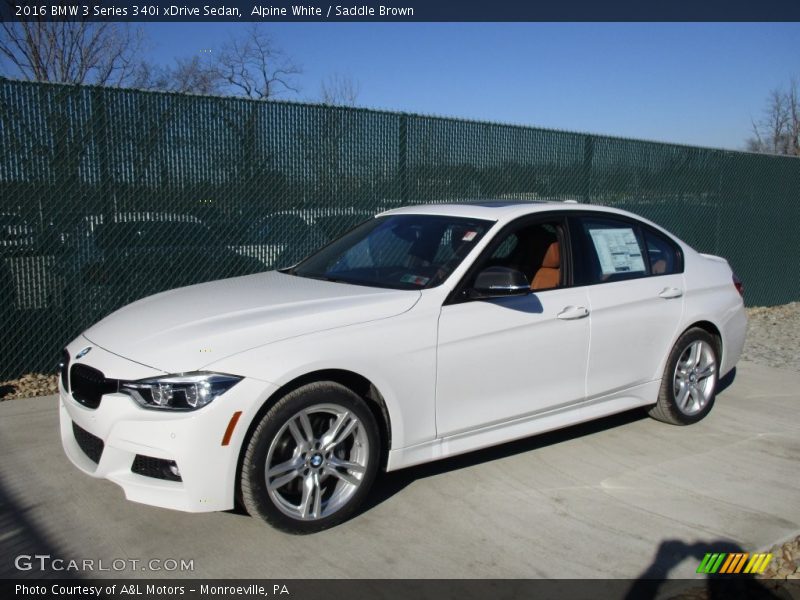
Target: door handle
[
  {"x": 573, "y": 312},
  {"x": 671, "y": 292}
]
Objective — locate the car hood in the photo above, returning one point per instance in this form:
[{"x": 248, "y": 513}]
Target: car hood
[{"x": 188, "y": 328}]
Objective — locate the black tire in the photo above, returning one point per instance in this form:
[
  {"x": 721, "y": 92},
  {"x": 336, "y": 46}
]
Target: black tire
[
  {"x": 319, "y": 403},
  {"x": 669, "y": 408}
]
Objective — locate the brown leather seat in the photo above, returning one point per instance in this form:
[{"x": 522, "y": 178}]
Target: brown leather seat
[
  {"x": 549, "y": 274},
  {"x": 659, "y": 267}
]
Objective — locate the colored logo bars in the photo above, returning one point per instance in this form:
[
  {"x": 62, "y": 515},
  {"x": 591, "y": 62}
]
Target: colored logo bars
[{"x": 734, "y": 562}]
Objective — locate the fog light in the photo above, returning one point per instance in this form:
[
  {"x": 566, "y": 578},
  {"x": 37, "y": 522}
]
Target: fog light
[{"x": 158, "y": 468}]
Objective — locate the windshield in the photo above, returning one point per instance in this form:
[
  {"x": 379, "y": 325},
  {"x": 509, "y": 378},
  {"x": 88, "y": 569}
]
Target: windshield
[{"x": 396, "y": 251}]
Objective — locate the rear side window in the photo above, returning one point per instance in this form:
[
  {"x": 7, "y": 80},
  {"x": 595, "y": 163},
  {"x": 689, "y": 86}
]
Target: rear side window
[
  {"x": 611, "y": 251},
  {"x": 665, "y": 258}
]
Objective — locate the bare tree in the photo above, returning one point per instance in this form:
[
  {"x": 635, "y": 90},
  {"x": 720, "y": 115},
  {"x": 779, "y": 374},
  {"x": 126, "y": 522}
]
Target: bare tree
[
  {"x": 339, "y": 89},
  {"x": 188, "y": 75},
  {"x": 254, "y": 67},
  {"x": 99, "y": 53},
  {"x": 778, "y": 130},
  {"x": 326, "y": 146},
  {"x": 793, "y": 106},
  {"x": 108, "y": 54},
  {"x": 251, "y": 66}
]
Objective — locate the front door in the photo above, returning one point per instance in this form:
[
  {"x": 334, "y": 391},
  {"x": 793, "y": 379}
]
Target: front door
[{"x": 510, "y": 358}]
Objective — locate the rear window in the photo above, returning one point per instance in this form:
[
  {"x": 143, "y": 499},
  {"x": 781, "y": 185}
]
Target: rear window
[{"x": 665, "y": 258}]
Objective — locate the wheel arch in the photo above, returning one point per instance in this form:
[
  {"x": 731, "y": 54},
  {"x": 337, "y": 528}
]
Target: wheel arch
[
  {"x": 355, "y": 382},
  {"x": 713, "y": 331},
  {"x": 668, "y": 407},
  {"x": 704, "y": 324}
]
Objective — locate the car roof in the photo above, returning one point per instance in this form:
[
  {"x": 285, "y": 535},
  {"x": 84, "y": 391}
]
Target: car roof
[
  {"x": 505, "y": 211},
  {"x": 499, "y": 210}
]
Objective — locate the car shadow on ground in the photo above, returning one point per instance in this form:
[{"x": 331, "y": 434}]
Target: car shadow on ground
[
  {"x": 22, "y": 541},
  {"x": 389, "y": 484},
  {"x": 726, "y": 381}
]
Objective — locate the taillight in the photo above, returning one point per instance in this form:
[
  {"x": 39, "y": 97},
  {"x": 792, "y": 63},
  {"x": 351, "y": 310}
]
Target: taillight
[{"x": 738, "y": 285}]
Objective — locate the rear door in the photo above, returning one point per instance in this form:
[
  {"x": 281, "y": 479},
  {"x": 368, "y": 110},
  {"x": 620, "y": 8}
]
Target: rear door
[{"x": 634, "y": 278}]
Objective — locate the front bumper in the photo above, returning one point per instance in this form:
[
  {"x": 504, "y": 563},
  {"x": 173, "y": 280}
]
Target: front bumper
[{"x": 193, "y": 440}]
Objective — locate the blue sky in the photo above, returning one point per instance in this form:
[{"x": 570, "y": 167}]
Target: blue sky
[{"x": 689, "y": 83}]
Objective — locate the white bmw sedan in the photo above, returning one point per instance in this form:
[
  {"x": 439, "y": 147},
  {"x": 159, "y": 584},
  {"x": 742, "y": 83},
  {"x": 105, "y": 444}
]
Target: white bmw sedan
[{"x": 425, "y": 332}]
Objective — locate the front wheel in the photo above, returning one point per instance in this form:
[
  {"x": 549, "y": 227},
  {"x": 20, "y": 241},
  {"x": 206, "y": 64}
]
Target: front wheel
[
  {"x": 311, "y": 460},
  {"x": 689, "y": 384}
]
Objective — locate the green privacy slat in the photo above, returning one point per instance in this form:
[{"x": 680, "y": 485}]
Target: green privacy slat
[{"x": 117, "y": 194}]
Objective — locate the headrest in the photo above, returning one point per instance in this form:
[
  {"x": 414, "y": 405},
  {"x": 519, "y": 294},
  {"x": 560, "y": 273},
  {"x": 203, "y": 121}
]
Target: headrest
[{"x": 552, "y": 258}]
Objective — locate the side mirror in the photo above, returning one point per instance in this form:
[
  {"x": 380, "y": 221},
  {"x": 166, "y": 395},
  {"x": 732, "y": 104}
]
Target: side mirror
[{"x": 498, "y": 282}]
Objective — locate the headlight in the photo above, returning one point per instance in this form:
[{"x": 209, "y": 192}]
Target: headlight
[{"x": 179, "y": 392}]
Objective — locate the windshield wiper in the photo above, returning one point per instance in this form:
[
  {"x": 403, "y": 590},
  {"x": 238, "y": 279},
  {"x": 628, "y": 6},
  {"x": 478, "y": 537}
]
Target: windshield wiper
[{"x": 318, "y": 276}]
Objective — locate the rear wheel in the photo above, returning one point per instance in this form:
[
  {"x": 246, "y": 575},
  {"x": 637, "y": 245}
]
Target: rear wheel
[
  {"x": 689, "y": 384},
  {"x": 311, "y": 460}
]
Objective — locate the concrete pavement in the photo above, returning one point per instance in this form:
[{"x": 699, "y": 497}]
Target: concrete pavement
[{"x": 615, "y": 498}]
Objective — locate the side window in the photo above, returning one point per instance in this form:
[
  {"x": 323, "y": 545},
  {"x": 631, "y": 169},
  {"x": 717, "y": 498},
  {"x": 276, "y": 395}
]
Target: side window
[
  {"x": 504, "y": 250},
  {"x": 665, "y": 258},
  {"x": 533, "y": 250},
  {"x": 612, "y": 251}
]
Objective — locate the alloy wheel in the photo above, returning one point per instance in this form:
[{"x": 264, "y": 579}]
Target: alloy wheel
[
  {"x": 316, "y": 462},
  {"x": 694, "y": 378}
]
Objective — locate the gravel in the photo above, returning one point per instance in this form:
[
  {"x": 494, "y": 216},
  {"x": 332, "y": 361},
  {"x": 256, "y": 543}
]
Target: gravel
[
  {"x": 773, "y": 339},
  {"x": 786, "y": 561},
  {"x": 29, "y": 385},
  {"x": 773, "y": 336}
]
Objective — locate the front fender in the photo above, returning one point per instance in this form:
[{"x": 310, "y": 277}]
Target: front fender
[{"x": 397, "y": 355}]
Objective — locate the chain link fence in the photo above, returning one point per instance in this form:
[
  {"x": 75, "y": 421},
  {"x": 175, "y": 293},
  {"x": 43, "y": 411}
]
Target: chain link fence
[{"x": 109, "y": 195}]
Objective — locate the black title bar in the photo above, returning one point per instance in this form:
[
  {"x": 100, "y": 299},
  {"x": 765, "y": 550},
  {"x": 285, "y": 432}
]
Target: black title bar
[
  {"x": 459, "y": 589},
  {"x": 273, "y": 11}
]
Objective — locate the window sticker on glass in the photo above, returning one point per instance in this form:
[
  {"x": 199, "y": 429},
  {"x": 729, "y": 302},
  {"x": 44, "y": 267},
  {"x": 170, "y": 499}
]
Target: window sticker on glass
[
  {"x": 415, "y": 279},
  {"x": 469, "y": 236},
  {"x": 618, "y": 250}
]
